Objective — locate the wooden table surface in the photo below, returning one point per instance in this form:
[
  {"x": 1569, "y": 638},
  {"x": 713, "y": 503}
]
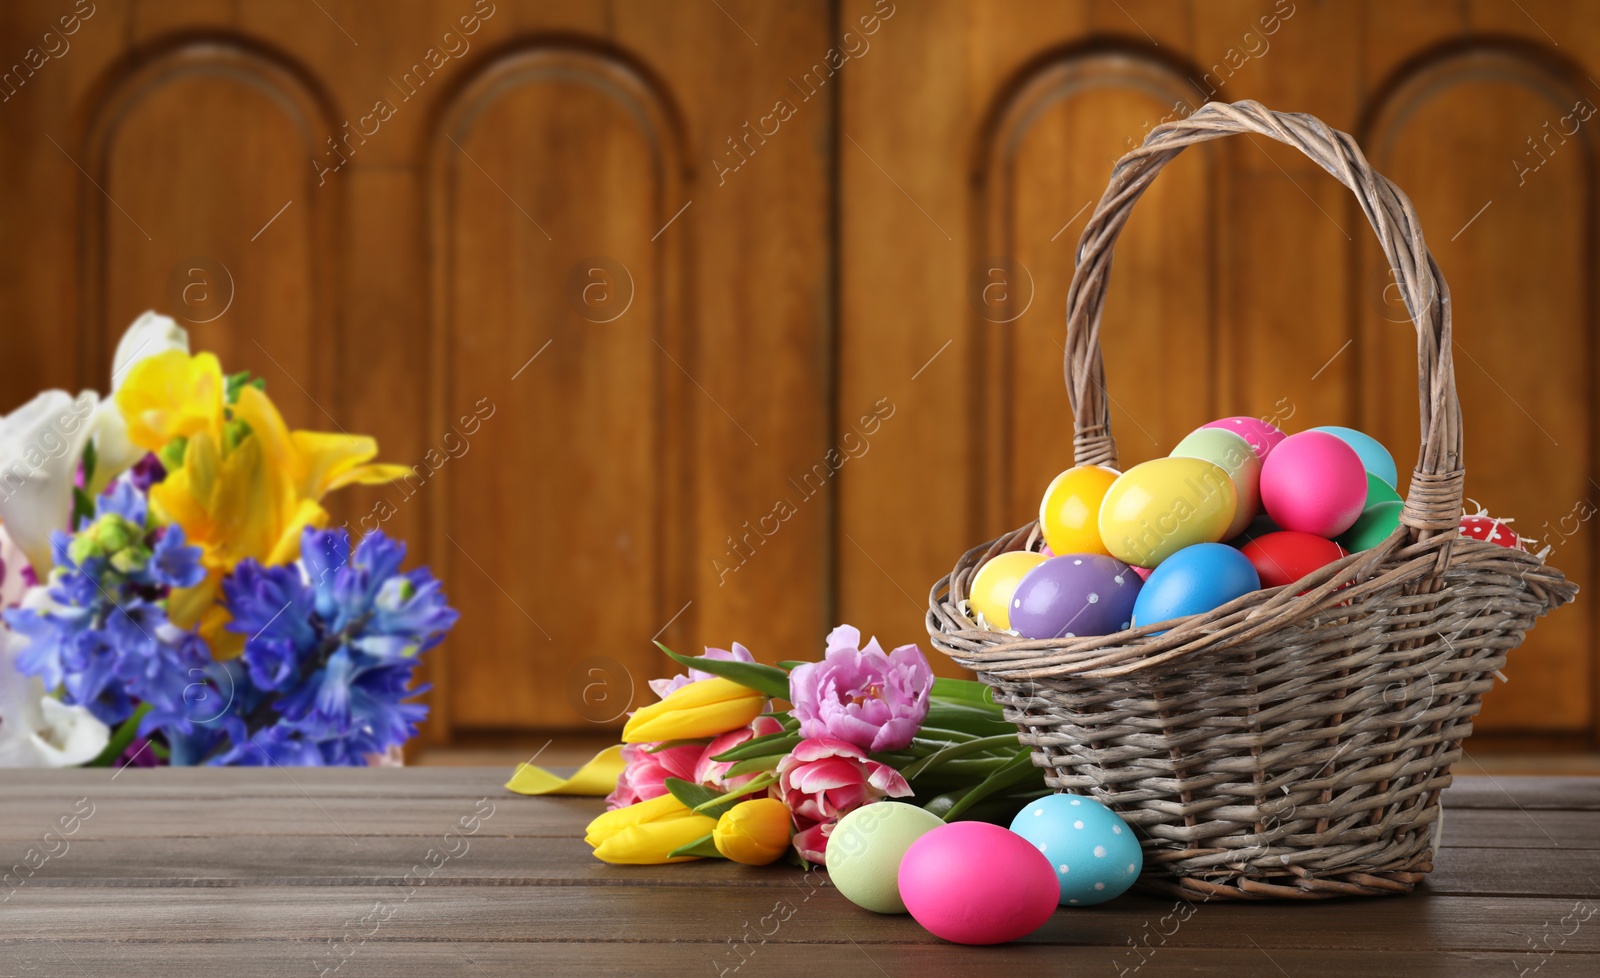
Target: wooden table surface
[{"x": 433, "y": 871}]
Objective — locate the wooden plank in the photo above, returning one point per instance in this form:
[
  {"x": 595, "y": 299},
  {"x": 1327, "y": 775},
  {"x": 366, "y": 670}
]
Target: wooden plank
[
  {"x": 407, "y": 959},
  {"x": 819, "y": 915},
  {"x": 487, "y": 859}
]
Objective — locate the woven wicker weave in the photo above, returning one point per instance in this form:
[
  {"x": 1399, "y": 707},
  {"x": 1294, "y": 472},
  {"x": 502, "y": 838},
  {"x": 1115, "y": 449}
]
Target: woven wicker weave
[{"x": 1292, "y": 743}]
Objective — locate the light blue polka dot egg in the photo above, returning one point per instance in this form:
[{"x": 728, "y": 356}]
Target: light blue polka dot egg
[{"x": 1093, "y": 851}]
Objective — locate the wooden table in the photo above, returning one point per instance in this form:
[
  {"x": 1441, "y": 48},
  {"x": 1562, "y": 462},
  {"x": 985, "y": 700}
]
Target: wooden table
[{"x": 435, "y": 871}]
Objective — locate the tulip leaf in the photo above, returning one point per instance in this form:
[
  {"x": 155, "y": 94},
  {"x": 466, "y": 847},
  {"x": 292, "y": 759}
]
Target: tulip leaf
[
  {"x": 966, "y": 692},
  {"x": 750, "y": 765},
  {"x": 1017, "y": 771},
  {"x": 778, "y": 743},
  {"x": 704, "y": 848},
  {"x": 694, "y": 795},
  {"x": 721, "y": 803},
  {"x": 752, "y": 675},
  {"x": 968, "y": 719},
  {"x": 787, "y": 665},
  {"x": 669, "y": 744},
  {"x": 957, "y": 750}
]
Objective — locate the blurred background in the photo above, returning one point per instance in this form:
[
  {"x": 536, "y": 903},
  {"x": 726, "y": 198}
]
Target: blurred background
[{"x": 729, "y": 320}]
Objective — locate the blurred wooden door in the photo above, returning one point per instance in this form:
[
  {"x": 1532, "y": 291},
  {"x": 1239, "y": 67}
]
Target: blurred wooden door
[
  {"x": 1247, "y": 282},
  {"x": 727, "y": 321},
  {"x": 551, "y": 254}
]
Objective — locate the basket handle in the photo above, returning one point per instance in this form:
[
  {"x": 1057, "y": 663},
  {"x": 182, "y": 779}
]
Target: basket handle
[{"x": 1433, "y": 500}]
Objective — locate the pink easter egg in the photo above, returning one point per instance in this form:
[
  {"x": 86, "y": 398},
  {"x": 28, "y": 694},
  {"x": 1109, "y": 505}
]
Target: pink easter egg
[
  {"x": 1262, "y": 437},
  {"x": 1314, "y": 482},
  {"x": 978, "y": 883},
  {"x": 1143, "y": 572}
]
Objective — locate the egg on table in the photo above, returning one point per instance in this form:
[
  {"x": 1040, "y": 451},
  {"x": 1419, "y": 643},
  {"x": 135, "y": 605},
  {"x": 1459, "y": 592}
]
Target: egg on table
[
  {"x": 1094, "y": 853},
  {"x": 866, "y": 848},
  {"x": 977, "y": 883}
]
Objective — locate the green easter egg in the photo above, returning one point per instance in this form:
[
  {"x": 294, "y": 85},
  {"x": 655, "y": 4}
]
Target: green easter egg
[
  {"x": 865, "y": 850},
  {"x": 1379, "y": 491},
  {"x": 1373, "y": 526}
]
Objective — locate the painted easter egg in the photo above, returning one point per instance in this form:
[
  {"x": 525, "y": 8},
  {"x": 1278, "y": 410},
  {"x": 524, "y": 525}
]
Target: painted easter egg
[
  {"x": 1161, "y": 506},
  {"x": 1259, "y": 527},
  {"x": 1229, "y": 450},
  {"x": 1073, "y": 595},
  {"x": 1374, "y": 457},
  {"x": 977, "y": 883},
  {"x": 1262, "y": 437},
  {"x": 1069, "y": 514},
  {"x": 1373, "y": 526},
  {"x": 1490, "y": 529},
  {"x": 996, "y": 582},
  {"x": 866, "y": 848},
  {"x": 1093, "y": 851},
  {"x": 1315, "y": 483},
  {"x": 1195, "y": 580},
  {"x": 1379, "y": 491},
  {"x": 1285, "y": 557}
]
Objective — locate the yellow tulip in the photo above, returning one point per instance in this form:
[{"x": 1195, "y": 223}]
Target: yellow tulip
[
  {"x": 700, "y": 709},
  {"x": 754, "y": 832},
  {"x": 172, "y": 395},
  {"x": 643, "y": 834}
]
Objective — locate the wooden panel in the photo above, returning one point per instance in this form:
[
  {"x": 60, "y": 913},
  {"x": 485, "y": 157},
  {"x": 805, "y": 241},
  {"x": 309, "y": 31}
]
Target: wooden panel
[
  {"x": 1047, "y": 159},
  {"x": 244, "y": 263},
  {"x": 1515, "y": 242},
  {"x": 556, "y": 322}
]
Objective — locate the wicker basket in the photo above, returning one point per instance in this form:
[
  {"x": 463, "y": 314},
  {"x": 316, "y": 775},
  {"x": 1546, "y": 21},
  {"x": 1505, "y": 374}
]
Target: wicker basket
[{"x": 1287, "y": 744}]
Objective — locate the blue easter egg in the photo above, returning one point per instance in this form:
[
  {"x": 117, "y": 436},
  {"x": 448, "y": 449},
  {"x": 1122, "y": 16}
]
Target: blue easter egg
[
  {"x": 1193, "y": 581},
  {"x": 1093, "y": 851},
  {"x": 1374, "y": 457}
]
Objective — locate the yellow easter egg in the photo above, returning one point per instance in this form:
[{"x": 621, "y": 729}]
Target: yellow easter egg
[
  {"x": 1069, "y": 514},
  {"x": 1159, "y": 507},
  {"x": 996, "y": 582}
]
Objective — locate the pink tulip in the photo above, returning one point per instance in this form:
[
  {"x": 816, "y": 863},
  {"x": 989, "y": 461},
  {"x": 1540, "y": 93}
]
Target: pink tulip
[
  {"x": 715, "y": 773},
  {"x": 645, "y": 776},
  {"x": 872, "y": 700},
  {"x": 825, "y": 778}
]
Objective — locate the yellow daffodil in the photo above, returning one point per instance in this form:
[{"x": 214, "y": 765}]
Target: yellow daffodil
[
  {"x": 253, "y": 501},
  {"x": 644, "y": 834},
  {"x": 172, "y": 395},
  {"x": 701, "y": 709},
  {"x": 754, "y": 832}
]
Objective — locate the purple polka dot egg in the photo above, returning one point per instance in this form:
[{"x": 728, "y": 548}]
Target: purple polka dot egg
[{"x": 1075, "y": 595}]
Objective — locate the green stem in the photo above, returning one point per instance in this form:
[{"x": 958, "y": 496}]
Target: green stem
[
  {"x": 953, "y": 751},
  {"x": 121, "y": 738},
  {"x": 754, "y": 784}
]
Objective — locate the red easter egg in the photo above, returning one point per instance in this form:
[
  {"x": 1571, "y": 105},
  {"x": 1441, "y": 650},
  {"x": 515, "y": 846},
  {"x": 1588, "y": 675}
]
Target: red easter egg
[
  {"x": 1288, "y": 555},
  {"x": 1490, "y": 529}
]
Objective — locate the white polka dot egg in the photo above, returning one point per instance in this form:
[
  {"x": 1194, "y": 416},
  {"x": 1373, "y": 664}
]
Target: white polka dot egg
[{"x": 1093, "y": 851}]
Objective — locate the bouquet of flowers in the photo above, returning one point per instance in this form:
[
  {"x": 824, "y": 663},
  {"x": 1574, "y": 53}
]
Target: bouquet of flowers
[
  {"x": 713, "y": 770},
  {"x": 171, "y": 592}
]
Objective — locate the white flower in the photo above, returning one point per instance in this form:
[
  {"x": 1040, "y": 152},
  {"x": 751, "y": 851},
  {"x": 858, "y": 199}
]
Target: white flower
[
  {"x": 38, "y": 730},
  {"x": 42, "y": 442}
]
